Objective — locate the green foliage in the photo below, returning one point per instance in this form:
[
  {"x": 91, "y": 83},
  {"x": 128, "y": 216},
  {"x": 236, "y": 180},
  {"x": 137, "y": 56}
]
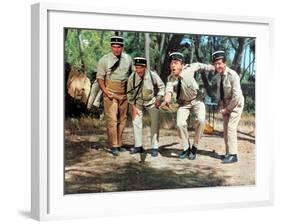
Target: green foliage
[
  {"x": 134, "y": 44},
  {"x": 249, "y": 94},
  {"x": 86, "y": 47},
  {"x": 94, "y": 44}
]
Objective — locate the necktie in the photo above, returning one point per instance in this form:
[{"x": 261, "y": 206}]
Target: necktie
[
  {"x": 116, "y": 64},
  {"x": 221, "y": 89},
  {"x": 179, "y": 88}
]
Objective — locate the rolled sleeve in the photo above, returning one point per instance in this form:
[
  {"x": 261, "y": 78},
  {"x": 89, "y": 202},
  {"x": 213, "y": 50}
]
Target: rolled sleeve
[
  {"x": 169, "y": 87},
  {"x": 101, "y": 69}
]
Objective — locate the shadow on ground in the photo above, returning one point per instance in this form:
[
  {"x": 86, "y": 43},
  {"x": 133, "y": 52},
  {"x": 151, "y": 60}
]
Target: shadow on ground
[{"x": 133, "y": 176}]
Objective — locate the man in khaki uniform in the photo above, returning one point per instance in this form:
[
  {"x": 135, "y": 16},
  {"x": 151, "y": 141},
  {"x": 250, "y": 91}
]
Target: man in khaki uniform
[
  {"x": 231, "y": 103},
  {"x": 181, "y": 80},
  {"x": 112, "y": 74},
  {"x": 145, "y": 90}
]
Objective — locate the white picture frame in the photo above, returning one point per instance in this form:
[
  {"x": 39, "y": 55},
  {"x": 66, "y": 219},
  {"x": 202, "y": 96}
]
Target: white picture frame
[{"x": 48, "y": 201}]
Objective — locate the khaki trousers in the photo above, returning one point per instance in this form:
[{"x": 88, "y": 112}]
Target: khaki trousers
[
  {"x": 230, "y": 124},
  {"x": 115, "y": 113},
  {"x": 154, "y": 129},
  {"x": 198, "y": 108}
]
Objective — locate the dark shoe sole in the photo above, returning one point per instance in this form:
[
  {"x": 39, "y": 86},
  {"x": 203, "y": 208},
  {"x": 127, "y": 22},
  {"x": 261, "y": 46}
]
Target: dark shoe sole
[
  {"x": 184, "y": 155},
  {"x": 154, "y": 154},
  {"x": 135, "y": 151},
  {"x": 191, "y": 156},
  {"x": 122, "y": 149},
  {"x": 228, "y": 162},
  {"x": 230, "y": 159}
]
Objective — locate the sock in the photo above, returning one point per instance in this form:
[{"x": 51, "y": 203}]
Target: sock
[{"x": 185, "y": 147}]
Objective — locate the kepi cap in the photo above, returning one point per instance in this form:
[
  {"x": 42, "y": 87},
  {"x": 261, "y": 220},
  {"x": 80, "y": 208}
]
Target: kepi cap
[
  {"x": 218, "y": 55},
  {"x": 176, "y": 56},
  {"x": 117, "y": 40},
  {"x": 140, "y": 61}
]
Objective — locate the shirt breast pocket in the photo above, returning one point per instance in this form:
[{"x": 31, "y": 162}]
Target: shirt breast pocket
[
  {"x": 147, "y": 94},
  {"x": 187, "y": 86},
  {"x": 227, "y": 89},
  {"x": 147, "y": 90},
  {"x": 124, "y": 67}
]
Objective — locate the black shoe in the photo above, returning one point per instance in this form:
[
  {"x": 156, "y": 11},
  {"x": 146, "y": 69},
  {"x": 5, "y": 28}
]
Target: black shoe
[
  {"x": 230, "y": 159},
  {"x": 137, "y": 150},
  {"x": 154, "y": 152},
  {"x": 184, "y": 154},
  {"x": 115, "y": 151},
  {"x": 192, "y": 154},
  {"x": 122, "y": 149}
]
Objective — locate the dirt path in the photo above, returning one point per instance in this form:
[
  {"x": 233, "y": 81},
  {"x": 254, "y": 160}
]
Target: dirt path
[{"x": 89, "y": 166}]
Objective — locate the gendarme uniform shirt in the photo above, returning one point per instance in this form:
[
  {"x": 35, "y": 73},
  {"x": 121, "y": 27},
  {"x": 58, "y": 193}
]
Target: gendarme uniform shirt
[
  {"x": 232, "y": 89},
  {"x": 120, "y": 74},
  {"x": 146, "y": 95},
  {"x": 189, "y": 85}
]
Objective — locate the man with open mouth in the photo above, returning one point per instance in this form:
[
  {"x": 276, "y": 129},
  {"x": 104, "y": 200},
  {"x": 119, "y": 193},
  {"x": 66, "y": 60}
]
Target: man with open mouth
[{"x": 181, "y": 82}]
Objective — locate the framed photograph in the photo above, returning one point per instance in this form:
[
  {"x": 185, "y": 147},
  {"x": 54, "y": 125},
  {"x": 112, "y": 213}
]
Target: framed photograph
[{"x": 78, "y": 172}]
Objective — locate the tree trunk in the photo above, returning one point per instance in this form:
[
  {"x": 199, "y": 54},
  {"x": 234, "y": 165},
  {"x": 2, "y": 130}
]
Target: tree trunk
[
  {"x": 81, "y": 49},
  {"x": 146, "y": 49},
  {"x": 161, "y": 49},
  {"x": 192, "y": 50},
  {"x": 65, "y": 33},
  {"x": 250, "y": 67},
  {"x": 237, "y": 60},
  {"x": 101, "y": 37},
  {"x": 199, "y": 59},
  {"x": 244, "y": 65}
]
